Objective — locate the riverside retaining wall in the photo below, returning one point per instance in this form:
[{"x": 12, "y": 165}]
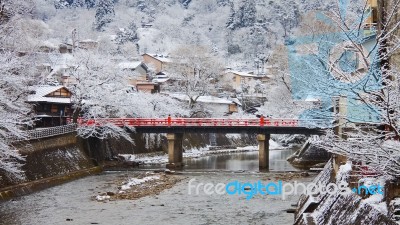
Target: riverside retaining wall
[
  {"x": 48, "y": 162},
  {"x": 53, "y": 160}
]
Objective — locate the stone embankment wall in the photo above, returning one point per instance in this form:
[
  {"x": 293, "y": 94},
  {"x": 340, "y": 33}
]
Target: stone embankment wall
[
  {"x": 49, "y": 161},
  {"x": 53, "y": 160}
]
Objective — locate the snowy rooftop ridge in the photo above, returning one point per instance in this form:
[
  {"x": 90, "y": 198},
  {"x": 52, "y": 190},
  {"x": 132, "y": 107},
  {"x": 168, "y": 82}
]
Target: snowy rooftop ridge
[
  {"x": 129, "y": 65},
  {"x": 243, "y": 74},
  {"x": 43, "y": 90},
  {"x": 160, "y": 57}
]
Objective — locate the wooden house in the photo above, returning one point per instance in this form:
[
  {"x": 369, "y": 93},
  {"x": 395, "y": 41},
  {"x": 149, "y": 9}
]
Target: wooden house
[
  {"x": 52, "y": 105},
  {"x": 149, "y": 87},
  {"x": 160, "y": 62},
  {"x": 239, "y": 78},
  {"x": 137, "y": 69}
]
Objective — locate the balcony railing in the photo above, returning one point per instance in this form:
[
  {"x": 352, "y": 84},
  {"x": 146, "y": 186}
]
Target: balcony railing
[{"x": 46, "y": 132}]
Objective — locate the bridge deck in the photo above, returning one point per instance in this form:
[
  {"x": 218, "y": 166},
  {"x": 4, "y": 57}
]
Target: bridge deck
[
  {"x": 230, "y": 129},
  {"x": 211, "y": 125}
]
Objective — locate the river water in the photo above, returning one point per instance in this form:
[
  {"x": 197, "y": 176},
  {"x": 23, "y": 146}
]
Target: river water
[
  {"x": 243, "y": 161},
  {"x": 71, "y": 203}
]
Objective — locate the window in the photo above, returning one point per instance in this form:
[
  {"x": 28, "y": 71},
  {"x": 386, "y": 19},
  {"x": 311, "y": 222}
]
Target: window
[
  {"x": 47, "y": 108},
  {"x": 54, "y": 108}
]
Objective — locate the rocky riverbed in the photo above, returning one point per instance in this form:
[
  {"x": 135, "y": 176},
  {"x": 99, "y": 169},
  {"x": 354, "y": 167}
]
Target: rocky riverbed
[{"x": 73, "y": 203}]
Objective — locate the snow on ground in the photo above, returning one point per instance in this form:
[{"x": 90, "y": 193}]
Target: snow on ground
[
  {"x": 377, "y": 201},
  {"x": 136, "y": 181},
  {"x": 344, "y": 173},
  {"x": 102, "y": 197},
  {"x": 128, "y": 185}
]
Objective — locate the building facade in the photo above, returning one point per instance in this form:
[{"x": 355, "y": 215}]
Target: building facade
[{"x": 52, "y": 105}]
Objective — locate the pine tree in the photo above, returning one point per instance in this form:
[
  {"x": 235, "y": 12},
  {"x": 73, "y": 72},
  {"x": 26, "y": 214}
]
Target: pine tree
[
  {"x": 231, "y": 20},
  {"x": 185, "y": 3},
  {"x": 77, "y": 3},
  {"x": 60, "y": 4},
  {"x": 246, "y": 16},
  {"x": 90, "y": 3},
  {"x": 127, "y": 34},
  {"x": 104, "y": 14}
]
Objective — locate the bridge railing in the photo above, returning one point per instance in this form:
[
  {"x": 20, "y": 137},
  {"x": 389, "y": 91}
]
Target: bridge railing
[{"x": 199, "y": 122}]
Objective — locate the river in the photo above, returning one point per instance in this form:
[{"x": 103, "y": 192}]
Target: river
[
  {"x": 72, "y": 203},
  {"x": 243, "y": 161}
]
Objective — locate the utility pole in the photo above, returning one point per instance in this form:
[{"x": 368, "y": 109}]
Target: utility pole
[{"x": 74, "y": 39}]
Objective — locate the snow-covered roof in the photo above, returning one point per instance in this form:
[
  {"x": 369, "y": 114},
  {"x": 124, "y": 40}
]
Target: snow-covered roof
[
  {"x": 204, "y": 99},
  {"x": 42, "y": 91},
  {"x": 58, "y": 69},
  {"x": 235, "y": 100},
  {"x": 160, "y": 57},
  {"x": 129, "y": 65},
  {"x": 88, "y": 40},
  {"x": 243, "y": 74},
  {"x": 51, "y": 43},
  {"x": 160, "y": 80},
  {"x": 43, "y": 65}
]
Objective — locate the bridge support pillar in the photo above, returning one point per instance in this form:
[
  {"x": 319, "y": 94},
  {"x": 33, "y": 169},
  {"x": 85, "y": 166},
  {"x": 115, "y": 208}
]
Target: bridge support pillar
[
  {"x": 263, "y": 151},
  {"x": 175, "y": 151}
]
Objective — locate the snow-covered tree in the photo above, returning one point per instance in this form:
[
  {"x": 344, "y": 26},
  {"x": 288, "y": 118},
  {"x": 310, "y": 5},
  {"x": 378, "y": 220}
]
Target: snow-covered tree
[
  {"x": 15, "y": 113},
  {"x": 147, "y": 105},
  {"x": 231, "y": 24},
  {"x": 259, "y": 87},
  {"x": 90, "y": 3},
  {"x": 16, "y": 75},
  {"x": 99, "y": 91},
  {"x": 245, "y": 16},
  {"x": 196, "y": 71},
  {"x": 128, "y": 34},
  {"x": 288, "y": 15},
  {"x": 104, "y": 14},
  {"x": 62, "y": 4},
  {"x": 185, "y": 3},
  {"x": 373, "y": 141},
  {"x": 15, "y": 8}
]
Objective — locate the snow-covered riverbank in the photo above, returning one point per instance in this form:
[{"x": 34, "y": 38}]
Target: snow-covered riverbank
[{"x": 160, "y": 158}]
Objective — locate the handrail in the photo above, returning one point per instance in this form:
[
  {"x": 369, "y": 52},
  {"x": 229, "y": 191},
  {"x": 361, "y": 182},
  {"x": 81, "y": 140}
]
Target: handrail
[
  {"x": 46, "y": 132},
  {"x": 199, "y": 122}
]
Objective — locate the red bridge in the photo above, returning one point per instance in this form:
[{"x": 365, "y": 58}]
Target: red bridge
[
  {"x": 176, "y": 127},
  {"x": 212, "y": 125}
]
